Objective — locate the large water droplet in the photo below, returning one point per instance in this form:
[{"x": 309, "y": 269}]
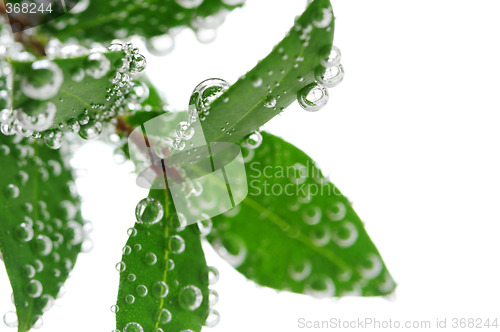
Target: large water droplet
[
  {"x": 176, "y": 244},
  {"x": 163, "y": 316},
  {"x": 41, "y": 117},
  {"x": 331, "y": 76},
  {"x": 97, "y": 65},
  {"x": 190, "y": 297},
  {"x": 149, "y": 211},
  {"x": 44, "y": 80},
  {"x": 205, "y": 93},
  {"x": 10, "y": 319},
  {"x": 330, "y": 57},
  {"x": 34, "y": 288},
  {"x": 213, "y": 318},
  {"x": 133, "y": 327},
  {"x": 313, "y": 97},
  {"x": 160, "y": 289}
]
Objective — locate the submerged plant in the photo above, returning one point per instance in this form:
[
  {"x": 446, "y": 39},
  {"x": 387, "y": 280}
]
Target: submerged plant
[{"x": 78, "y": 75}]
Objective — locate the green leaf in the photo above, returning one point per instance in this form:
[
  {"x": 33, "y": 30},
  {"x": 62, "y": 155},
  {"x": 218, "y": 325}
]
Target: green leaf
[
  {"x": 41, "y": 228},
  {"x": 276, "y": 80},
  {"x": 164, "y": 278},
  {"x": 106, "y": 20},
  {"x": 70, "y": 94},
  {"x": 295, "y": 231}
]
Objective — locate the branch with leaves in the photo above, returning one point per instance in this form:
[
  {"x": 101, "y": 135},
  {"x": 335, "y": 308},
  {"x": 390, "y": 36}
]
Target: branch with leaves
[{"x": 71, "y": 76}]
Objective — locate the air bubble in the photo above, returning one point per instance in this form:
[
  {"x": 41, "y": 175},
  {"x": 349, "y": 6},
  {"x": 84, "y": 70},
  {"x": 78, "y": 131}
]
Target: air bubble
[
  {"x": 34, "y": 288},
  {"x": 189, "y": 3},
  {"x": 330, "y": 57},
  {"x": 10, "y": 319},
  {"x": 190, "y": 297},
  {"x": 44, "y": 81},
  {"x": 213, "y": 318},
  {"x": 204, "y": 94},
  {"x": 313, "y": 97},
  {"x": 41, "y": 118},
  {"x": 163, "y": 316},
  {"x": 141, "y": 290},
  {"x": 133, "y": 327},
  {"x": 270, "y": 102},
  {"x": 12, "y": 191},
  {"x": 254, "y": 140},
  {"x": 331, "y": 76},
  {"x": 149, "y": 211},
  {"x": 97, "y": 65},
  {"x": 176, "y": 244},
  {"x": 160, "y": 289}
]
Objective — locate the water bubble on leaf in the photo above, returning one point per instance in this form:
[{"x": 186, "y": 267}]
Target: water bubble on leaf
[
  {"x": 270, "y": 102},
  {"x": 41, "y": 117},
  {"x": 190, "y": 297},
  {"x": 97, "y": 65},
  {"x": 337, "y": 211},
  {"x": 74, "y": 232},
  {"x": 126, "y": 250},
  {"x": 320, "y": 287},
  {"x": 205, "y": 93},
  {"x": 163, "y": 316},
  {"x": 254, "y": 140},
  {"x": 324, "y": 19},
  {"x": 141, "y": 290},
  {"x": 130, "y": 299},
  {"x": 150, "y": 259},
  {"x": 120, "y": 267},
  {"x": 176, "y": 244},
  {"x": 330, "y": 57},
  {"x": 43, "y": 245},
  {"x": 313, "y": 97},
  {"x": 87, "y": 245},
  {"x": 78, "y": 75},
  {"x": 257, "y": 82},
  {"x": 29, "y": 271},
  {"x": 213, "y": 274},
  {"x": 213, "y": 298},
  {"x": 138, "y": 64},
  {"x": 24, "y": 232},
  {"x": 47, "y": 302},
  {"x": 184, "y": 130},
  {"x": 133, "y": 327},
  {"x": 139, "y": 92},
  {"x": 12, "y": 191},
  {"x": 300, "y": 270},
  {"x": 131, "y": 277},
  {"x": 160, "y": 289},
  {"x": 44, "y": 81},
  {"x": 189, "y": 3},
  {"x": 116, "y": 46},
  {"x": 132, "y": 232},
  {"x": 160, "y": 45},
  {"x": 34, "y": 288},
  {"x": 232, "y": 249},
  {"x": 91, "y": 131},
  {"x": 345, "y": 235},
  {"x": 38, "y": 265},
  {"x": 10, "y": 319},
  {"x": 179, "y": 144},
  {"x": 213, "y": 318},
  {"x": 149, "y": 211},
  {"x": 205, "y": 226},
  {"x": 114, "y": 308},
  {"x": 331, "y": 76},
  {"x": 312, "y": 215}
]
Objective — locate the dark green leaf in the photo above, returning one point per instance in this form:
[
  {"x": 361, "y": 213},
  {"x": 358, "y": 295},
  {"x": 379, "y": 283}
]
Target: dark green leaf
[
  {"x": 41, "y": 229},
  {"x": 106, "y": 20},
  {"x": 295, "y": 231},
  {"x": 276, "y": 80},
  {"x": 164, "y": 278},
  {"x": 67, "y": 94}
]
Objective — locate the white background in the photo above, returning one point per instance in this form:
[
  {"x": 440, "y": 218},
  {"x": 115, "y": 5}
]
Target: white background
[{"x": 411, "y": 137}]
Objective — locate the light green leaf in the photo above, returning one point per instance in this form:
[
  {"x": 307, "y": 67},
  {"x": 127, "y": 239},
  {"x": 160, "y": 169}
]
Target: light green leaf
[
  {"x": 295, "y": 231},
  {"x": 41, "y": 229},
  {"x": 164, "y": 278},
  {"x": 276, "y": 80},
  {"x": 69, "y": 94},
  {"x": 106, "y": 20}
]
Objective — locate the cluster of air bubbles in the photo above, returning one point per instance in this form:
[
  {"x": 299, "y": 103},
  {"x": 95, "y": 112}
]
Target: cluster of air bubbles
[
  {"x": 49, "y": 240},
  {"x": 45, "y": 78},
  {"x": 329, "y": 74}
]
